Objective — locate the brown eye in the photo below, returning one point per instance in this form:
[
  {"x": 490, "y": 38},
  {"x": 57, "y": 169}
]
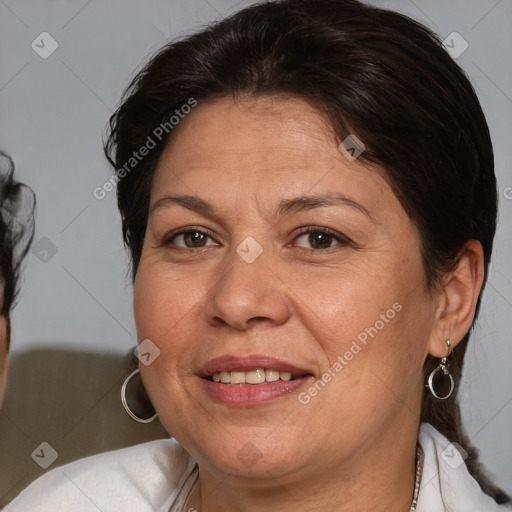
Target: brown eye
[
  {"x": 319, "y": 239},
  {"x": 190, "y": 239}
]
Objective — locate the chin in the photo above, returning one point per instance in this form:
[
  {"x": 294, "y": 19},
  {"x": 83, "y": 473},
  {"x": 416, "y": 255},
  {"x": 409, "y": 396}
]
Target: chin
[{"x": 246, "y": 452}]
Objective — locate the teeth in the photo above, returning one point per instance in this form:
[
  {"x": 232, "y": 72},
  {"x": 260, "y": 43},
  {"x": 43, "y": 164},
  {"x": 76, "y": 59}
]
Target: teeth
[
  {"x": 271, "y": 375},
  {"x": 237, "y": 377},
  {"x": 252, "y": 377}
]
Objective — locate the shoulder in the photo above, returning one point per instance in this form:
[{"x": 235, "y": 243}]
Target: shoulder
[{"x": 145, "y": 477}]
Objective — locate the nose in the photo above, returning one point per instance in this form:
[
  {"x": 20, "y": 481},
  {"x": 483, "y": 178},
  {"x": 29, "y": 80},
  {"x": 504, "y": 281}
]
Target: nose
[{"x": 247, "y": 294}]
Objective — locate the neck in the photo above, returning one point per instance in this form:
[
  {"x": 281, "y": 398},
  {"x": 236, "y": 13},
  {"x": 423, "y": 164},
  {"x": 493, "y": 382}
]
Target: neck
[{"x": 377, "y": 478}]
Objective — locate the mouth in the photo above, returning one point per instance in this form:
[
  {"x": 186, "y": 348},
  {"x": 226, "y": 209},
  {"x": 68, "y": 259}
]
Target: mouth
[{"x": 251, "y": 381}]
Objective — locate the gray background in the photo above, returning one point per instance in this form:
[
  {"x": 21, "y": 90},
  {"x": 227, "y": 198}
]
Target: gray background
[{"x": 53, "y": 116}]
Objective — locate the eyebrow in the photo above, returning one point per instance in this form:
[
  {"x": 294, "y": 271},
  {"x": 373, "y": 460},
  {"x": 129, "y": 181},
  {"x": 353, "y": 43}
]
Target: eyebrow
[
  {"x": 287, "y": 206},
  {"x": 299, "y": 204}
]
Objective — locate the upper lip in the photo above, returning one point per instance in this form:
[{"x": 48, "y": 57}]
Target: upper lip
[{"x": 231, "y": 363}]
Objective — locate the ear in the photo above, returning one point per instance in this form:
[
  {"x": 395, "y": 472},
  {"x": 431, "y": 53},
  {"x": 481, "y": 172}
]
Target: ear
[{"x": 457, "y": 300}]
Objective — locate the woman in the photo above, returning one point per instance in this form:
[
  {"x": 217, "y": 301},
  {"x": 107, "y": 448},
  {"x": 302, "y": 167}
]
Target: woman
[
  {"x": 308, "y": 195},
  {"x": 17, "y": 204}
]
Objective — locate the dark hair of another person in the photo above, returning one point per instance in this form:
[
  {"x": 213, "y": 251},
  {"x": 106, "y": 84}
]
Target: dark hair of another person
[
  {"x": 375, "y": 73},
  {"x": 17, "y": 207}
]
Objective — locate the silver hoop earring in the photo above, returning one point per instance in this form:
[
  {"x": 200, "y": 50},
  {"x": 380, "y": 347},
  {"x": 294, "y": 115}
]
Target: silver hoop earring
[
  {"x": 444, "y": 367},
  {"x": 135, "y": 400}
]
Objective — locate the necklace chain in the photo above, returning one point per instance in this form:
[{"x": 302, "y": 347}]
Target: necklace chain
[{"x": 417, "y": 482}]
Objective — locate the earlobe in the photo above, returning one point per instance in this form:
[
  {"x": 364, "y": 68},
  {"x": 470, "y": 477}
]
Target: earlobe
[{"x": 458, "y": 299}]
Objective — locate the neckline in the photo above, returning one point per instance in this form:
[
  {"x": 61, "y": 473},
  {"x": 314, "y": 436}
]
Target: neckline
[{"x": 181, "y": 501}]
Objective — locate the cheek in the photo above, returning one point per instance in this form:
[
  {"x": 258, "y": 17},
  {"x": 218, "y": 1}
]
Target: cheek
[
  {"x": 355, "y": 304},
  {"x": 167, "y": 311},
  {"x": 162, "y": 302},
  {"x": 163, "y": 310},
  {"x": 373, "y": 324}
]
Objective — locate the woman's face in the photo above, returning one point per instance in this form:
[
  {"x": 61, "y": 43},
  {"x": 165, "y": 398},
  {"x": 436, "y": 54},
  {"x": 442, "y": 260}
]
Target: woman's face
[{"x": 268, "y": 249}]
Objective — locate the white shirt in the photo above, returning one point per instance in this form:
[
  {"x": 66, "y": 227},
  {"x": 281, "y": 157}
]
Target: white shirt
[{"x": 156, "y": 477}]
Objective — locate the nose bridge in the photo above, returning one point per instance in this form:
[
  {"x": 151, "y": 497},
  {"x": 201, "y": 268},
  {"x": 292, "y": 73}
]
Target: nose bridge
[{"x": 246, "y": 290}]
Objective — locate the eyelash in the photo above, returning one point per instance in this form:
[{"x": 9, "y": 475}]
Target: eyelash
[{"x": 341, "y": 239}]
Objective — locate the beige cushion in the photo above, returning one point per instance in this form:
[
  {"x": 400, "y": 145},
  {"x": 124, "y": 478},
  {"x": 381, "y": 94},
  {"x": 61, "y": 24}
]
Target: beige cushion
[{"x": 70, "y": 400}]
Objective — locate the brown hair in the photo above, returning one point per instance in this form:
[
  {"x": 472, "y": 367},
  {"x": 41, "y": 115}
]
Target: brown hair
[
  {"x": 377, "y": 74},
  {"x": 17, "y": 206}
]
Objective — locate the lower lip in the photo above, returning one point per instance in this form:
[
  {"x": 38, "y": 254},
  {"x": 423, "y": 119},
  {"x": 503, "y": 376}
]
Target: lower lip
[{"x": 248, "y": 395}]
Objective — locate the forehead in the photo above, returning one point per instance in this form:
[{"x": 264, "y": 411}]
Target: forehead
[
  {"x": 250, "y": 129},
  {"x": 264, "y": 141}
]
